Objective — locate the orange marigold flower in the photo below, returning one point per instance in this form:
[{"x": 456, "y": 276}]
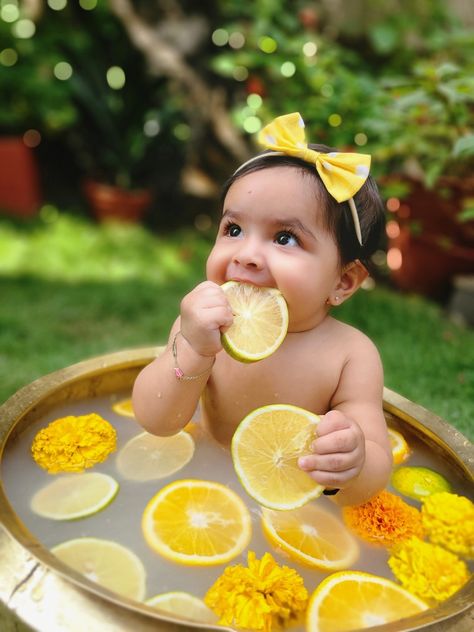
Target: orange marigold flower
[
  {"x": 427, "y": 570},
  {"x": 71, "y": 444},
  {"x": 384, "y": 519},
  {"x": 448, "y": 520},
  {"x": 262, "y": 596}
]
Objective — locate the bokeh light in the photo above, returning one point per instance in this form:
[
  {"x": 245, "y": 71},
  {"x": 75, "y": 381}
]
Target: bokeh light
[
  {"x": 32, "y": 138},
  {"x": 57, "y": 5},
  {"x": 360, "y": 139},
  {"x": 151, "y": 128},
  {"x": 252, "y": 124},
  {"x": 24, "y": 29},
  {"x": 240, "y": 73},
  {"x": 236, "y": 40},
  {"x": 334, "y": 120},
  {"x": 9, "y": 12},
  {"x": 254, "y": 101},
  {"x": 310, "y": 49},
  {"x": 392, "y": 229},
  {"x": 88, "y": 5},
  {"x": 393, "y": 204},
  {"x": 327, "y": 90},
  {"x": 288, "y": 69},
  {"x": 8, "y": 57},
  {"x": 220, "y": 37},
  {"x": 182, "y": 131},
  {"x": 116, "y": 77},
  {"x": 394, "y": 258},
  {"x": 267, "y": 44},
  {"x": 62, "y": 71}
]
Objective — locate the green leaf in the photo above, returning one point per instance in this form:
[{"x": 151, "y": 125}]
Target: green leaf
[{"x": 464, "y": 146}]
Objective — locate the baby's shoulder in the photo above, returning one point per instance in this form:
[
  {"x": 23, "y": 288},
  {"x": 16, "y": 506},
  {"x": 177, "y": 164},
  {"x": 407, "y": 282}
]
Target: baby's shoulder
[{"x": 351, "y": 338}]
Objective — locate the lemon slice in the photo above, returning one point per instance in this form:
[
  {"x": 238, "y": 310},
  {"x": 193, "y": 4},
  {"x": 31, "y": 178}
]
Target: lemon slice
[
  {"x": 265, "y": 450},
  {"x": 400, "y": 448},
  {"x": 418, "y": 482},
  {"x": 352, "y": 600},
  {"x": 260, "y": 321},
  {"x": 312, "y": 536},
  {"x": 147, "y": 457},
  {"x": 124, "y": 407},
  {"x": 107, "y": 563},
  {"x": 197, "y": 523},
  {"x": 183, "y": 604},
  {"x": 75, "y": 496}
]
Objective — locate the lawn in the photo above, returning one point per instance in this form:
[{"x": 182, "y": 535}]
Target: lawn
[{"x": 71, "y": 290}]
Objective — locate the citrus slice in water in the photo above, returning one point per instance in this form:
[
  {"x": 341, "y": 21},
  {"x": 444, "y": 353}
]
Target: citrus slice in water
[
  {"x": 147, "y": 457},
  {"x": 183, "y": 604},
  {"x": 197, "y": 523},
  {"x": 400, "y": 448},
  {"x": 312, "y": 536},
  {"x": 352, "y": 600},
  {"x": 260, "y": 321},
  {"x": 265, "y": 451},
  {"x": 124, "y": 407},
  {"x": 107, "y": 563},
  {"x": 418, "y": 482},
  {"x": 74, "y": 496}
]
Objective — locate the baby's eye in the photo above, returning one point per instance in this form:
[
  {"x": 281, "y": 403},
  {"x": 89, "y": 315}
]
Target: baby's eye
[
  {"x": 233, "y": 230},
  {"x": 286, "y": 238}
]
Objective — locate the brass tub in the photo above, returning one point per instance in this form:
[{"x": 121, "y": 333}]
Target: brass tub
[{"x": 38, "y": 592}]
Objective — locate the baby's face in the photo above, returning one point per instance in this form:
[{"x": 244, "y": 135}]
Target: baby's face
[{"x": 271, "y": 234}]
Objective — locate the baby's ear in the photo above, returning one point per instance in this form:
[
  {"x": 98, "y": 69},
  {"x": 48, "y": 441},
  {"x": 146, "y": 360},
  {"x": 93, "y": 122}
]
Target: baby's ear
[{"x": 352, "y": 277}]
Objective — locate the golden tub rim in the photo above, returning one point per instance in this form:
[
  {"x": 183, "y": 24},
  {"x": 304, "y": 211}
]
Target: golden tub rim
[{"x": 25, "y": 402}]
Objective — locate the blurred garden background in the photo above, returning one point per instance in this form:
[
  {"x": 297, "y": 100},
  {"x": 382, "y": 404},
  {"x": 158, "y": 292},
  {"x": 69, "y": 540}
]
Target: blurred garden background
[{"x": 120, "y": 120}]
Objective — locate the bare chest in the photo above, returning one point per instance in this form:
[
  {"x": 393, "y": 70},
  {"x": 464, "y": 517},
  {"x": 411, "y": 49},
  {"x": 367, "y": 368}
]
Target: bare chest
[{"x": 302, "y": 377}]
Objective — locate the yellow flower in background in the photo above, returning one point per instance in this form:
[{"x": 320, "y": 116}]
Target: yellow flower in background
[
  {"x": 427, "y": 570},
  {"x": 448, "y": 520},
  {"x": 262, "y": 596},
  {"x": 384, "y": 519},
  {"x": 72, "y": 444}
]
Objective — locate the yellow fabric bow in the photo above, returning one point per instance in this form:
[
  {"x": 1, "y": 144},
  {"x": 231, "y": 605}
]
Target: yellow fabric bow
[{"x": 343, "y": 174}]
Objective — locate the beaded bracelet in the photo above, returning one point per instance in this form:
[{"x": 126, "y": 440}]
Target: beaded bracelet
[{"x": 179, "y": 372}]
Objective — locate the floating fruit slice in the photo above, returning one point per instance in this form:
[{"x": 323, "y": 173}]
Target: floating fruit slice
[
  {"x": 418, "y": 482},
  {"x": 196, "y": 523},
  {"x": 147, "y": 457},
  {"x": 260, "y": 321},
  {"x": 352, "y": 600},
  {"x": 312, "y": 536},
  {"x": 106, "y": 562},
  {"x": 265, "y": 451},
  {"x": 124, "y": 407},
  {"x": 183, "y": 604},
  {"x": 400, "y": 448},
  {"x": 75, "y": 496}
]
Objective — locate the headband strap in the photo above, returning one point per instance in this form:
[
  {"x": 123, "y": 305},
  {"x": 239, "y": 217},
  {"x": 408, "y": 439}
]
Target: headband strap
[{"x": 343, "y": 174}]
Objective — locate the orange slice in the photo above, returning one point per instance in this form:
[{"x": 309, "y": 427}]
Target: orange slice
[
  {"x": 312, "y": 536},
  {"x": 352, "y": 600},
  {"x": 197, "y": 523},
  {"x": 183, "y": 604},
  {"x": 400, "y": 448},
  {"x": 124, "y": 407},
  {"x": 265, "y": 451}
]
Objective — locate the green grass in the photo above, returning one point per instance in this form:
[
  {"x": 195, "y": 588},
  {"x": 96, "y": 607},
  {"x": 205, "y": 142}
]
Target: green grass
[{"x": 71, "y": 290}]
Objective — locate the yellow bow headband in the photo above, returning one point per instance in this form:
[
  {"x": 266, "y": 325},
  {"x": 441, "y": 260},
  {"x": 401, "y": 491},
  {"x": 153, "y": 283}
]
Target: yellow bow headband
[{"x": 343, "y": 174}]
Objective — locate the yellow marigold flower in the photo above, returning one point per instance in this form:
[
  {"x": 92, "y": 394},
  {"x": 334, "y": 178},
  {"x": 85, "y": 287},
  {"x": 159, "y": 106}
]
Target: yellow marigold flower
[
  {"x": 384, "y": 519},
  {"x": 262, "y": 596},
  {"x": 71, "y": 444},
  {"x": 448, "y": 520},
  {"x": 427, "y": 570}
]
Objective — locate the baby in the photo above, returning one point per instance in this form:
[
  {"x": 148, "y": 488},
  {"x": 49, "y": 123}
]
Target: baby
[{"x": 302, "y": 219}]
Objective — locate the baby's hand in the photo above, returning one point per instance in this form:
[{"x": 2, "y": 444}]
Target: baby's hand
[
  {"x": 338, "y": 452},
  {"x": 205, "y": 313}
]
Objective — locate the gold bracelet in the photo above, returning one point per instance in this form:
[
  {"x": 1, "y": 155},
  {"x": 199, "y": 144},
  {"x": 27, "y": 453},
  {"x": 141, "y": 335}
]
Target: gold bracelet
[{"x": 179, "y": 372}]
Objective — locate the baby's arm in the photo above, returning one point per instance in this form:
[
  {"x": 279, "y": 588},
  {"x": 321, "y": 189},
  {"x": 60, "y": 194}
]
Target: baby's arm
[
  {"x": 352, "y": 451},
  {"x": 162, "y": 403}
]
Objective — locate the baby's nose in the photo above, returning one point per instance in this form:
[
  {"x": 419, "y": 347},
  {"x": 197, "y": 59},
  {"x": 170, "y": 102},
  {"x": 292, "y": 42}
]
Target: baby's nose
[{"x": 250, "y": 254}]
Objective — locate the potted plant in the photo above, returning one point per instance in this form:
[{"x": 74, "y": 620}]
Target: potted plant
[{"x": 424, "y": 137}]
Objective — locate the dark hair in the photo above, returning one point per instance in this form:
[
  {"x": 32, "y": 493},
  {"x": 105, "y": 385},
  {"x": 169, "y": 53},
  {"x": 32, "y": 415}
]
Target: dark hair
[{"x": 337, "y": 217}]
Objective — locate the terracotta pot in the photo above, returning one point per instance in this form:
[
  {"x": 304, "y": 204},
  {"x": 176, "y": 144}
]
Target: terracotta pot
[
  {"x": 111, "y": 202},
  {"x": 20, "y": 191},
  {"x": 433, "y": 245}
]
